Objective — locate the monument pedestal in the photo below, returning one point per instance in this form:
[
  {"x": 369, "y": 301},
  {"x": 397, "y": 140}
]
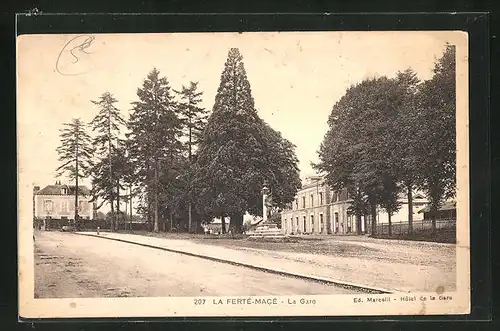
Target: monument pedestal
[{"x": 269, "y": 230}]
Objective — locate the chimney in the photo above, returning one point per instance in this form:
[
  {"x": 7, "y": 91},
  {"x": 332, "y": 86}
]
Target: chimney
[{"x": 36, "y": 189}]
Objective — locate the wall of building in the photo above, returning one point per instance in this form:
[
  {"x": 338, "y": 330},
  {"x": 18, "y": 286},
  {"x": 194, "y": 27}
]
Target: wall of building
[
  {"x": 312, "y": 211},
  {"x": 402, "y": 214},
  {"x": 316, "y": 203},
  {"x": 62, "y": 206}
]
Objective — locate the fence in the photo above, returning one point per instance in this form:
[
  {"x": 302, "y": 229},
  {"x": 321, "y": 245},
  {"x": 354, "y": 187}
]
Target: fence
[
  {"x": 85, "y": 225},
  {"x": 418, "y": 226}
]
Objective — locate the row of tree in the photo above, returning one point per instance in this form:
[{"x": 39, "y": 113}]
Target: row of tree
[
  {"x": 388, "y": 136},
  {"x": 180, "y": 162}
]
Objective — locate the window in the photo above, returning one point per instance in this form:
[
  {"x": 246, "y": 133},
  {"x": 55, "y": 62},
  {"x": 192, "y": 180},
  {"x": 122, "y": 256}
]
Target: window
[
  {"x": 297, "y": 225},
  {"x": 312, "y": 200},
  {"x": 303, "y": 202},
  {"x": 82, "y": 206},
  {"x": 320, "y": 222},
  {"x": 312, "y": 223},
  {"x": 64, "y": 206},
  {"x": 343, "y": 195},
  {"x": 296, "y": 203},
  {"x": 305, "y": 226},
  {"x": 48, "y": 206},
  {"x": 320, "y": 198}
]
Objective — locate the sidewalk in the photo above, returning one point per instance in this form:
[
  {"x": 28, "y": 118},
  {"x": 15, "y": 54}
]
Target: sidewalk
[{"x": 371, "y": 274}]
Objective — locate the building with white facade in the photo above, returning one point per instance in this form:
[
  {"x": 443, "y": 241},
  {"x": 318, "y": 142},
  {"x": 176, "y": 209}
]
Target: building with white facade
[
  {"x": 317, "y": 209},
  {"x": 58, "y": 202}
]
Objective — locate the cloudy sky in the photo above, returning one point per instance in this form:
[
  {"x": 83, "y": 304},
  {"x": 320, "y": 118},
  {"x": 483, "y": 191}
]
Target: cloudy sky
[{"x": 295, "y": 78}]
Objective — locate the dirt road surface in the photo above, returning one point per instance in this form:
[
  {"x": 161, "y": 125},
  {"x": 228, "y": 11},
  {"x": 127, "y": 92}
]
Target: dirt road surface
[{"x": 73, "y": 266}]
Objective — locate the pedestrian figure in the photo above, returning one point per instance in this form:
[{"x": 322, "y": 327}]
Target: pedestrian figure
[{"x": 98, "y": 228}]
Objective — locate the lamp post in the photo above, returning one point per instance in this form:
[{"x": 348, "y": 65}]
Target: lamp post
[{"x": 265, "y": 192}]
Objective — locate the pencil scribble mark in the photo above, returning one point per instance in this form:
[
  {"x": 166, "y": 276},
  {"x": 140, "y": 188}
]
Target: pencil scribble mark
[{"x": 73, "y": 46}]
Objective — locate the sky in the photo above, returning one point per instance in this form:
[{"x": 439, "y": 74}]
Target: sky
[{"x": 295, "y": 77}]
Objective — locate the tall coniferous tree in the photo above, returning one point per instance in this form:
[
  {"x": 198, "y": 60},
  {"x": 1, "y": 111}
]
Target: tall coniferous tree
[
  {"x": 154, "y": 137},
  {"x": 236, "y": 155},
  {"x": 194, "y": 120},
  {"x": 75, "y": 154},
  {"x": 107, "y": 125}
]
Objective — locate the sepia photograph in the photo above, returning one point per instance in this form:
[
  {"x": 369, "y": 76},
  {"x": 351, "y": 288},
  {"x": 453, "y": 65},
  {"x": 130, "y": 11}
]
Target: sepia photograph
[{"x": 243, "y": 174}]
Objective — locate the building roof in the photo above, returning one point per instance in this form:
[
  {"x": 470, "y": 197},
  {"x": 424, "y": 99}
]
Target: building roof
[
  {"x": 312, "y": 181},
  {"x": 57, "y": 189},
  {"x": 450, "y": 205}
]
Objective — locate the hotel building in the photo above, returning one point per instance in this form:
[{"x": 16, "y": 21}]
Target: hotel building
[{"x": 317, "y": 209}]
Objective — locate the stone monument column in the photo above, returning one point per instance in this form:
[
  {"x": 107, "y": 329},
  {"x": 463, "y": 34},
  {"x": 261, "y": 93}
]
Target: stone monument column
[{"x": 265, "y": 192}]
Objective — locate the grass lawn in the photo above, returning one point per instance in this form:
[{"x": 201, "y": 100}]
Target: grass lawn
[
  {"x": 352, "y": 247},
  {"x": 302, "y": 245},
  {"x": 312, "y": 244},
  {"x": 442, "y": 236}
]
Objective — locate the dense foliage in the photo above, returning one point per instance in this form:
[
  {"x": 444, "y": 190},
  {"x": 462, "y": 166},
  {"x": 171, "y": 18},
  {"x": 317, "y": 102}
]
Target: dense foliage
[
  {"x": 239, "y": 152},
  {"x": 391, "y": 135}
]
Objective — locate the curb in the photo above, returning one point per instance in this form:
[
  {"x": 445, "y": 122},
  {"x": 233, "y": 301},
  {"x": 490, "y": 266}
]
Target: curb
[{"x": 346, "y": 285}]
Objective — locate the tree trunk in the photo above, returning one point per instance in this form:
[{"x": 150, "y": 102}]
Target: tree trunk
[
  {"x": 373, "y": 209},
  {"x": 155, "y": 197},
  {"x": 365, "y": 221},
  {"x": 110, "y": 169},
  {"x": 130, "y": 206},
  {"x": 223, "y": 224},
  {"x": 171, "y": 221},
  {"x": 236, "y": 223},
  {"x": 433, "y": 218},
  {"x": 410, "y": 209},
  {"x": 76, "y": 179},
  {"x": 190, "y": 166},
  {"x": 148, "y": 201},
  {"x": 390, "y": 223},
  {"x": 358, "y": 224},
  {"x": 189, "y": 217},
  {"x": 118, "y": 204}
]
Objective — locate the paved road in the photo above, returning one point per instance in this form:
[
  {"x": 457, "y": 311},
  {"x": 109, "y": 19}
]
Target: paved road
[{"x": 69, "y": 265}]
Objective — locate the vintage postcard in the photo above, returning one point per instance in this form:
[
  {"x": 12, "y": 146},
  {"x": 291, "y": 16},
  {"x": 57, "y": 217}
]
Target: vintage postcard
[{"x": 243, "y": 174}]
